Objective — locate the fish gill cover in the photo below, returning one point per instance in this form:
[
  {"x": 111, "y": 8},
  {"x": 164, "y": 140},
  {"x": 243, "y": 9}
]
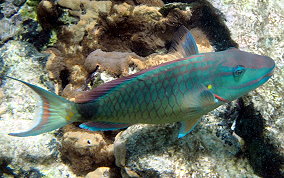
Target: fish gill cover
[{"x": 141, "y": 33}]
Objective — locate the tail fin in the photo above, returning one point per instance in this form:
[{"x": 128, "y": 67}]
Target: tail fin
[{"x": 55, "y": 112}]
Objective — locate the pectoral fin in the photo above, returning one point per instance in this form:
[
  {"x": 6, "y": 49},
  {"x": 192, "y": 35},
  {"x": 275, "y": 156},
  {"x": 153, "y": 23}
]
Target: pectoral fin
[
  {"x": 199, "y": 97},
  {"x": 207, "y": 98},
  {"x": 103, "y": 126},
  {"x": 187, "y": 126}
]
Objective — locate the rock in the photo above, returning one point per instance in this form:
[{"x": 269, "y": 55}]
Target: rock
[
  {"x": 88, "y": 12},
  {"x": 99, "y": 172},
  {"x": 155, "y": 151},
  {"x": 102, "y": 172},
  {"x": 142, "y": 19},
  {"x": 9, "y": 28},
  {"x": 114, "y": 62},
  {"x": 18, "y": 2},
  {"x": 38, "y": 155},
  {"x": 8, "y": 9},
  {"x": 47, "y": 14},
  {"x": 158, "y": 3},
  {"x": 55, "y": 67},
  {"x": 20, "y": 22},
  {"x": 85, "y": 151}
]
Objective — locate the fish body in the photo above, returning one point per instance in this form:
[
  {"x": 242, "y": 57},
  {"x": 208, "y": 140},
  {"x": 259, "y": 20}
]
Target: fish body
[
  {"x": 166, "y": 94},
  {"x": 181, "y": 90}
]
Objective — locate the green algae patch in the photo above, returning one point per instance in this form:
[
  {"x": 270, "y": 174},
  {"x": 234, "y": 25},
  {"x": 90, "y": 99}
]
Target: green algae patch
[
  {"x": 28, "y": 11},
  {"x": 67, "y": 19},
  {"x": 53, "y": 38},
  {"x": 168, "y": 7}
]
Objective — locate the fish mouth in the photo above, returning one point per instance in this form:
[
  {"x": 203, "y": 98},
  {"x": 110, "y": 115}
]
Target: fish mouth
[
  {"x": 269, "y": 74},
  {"x": 221, "y": 98},
  {"x": 265, "y": 77}
]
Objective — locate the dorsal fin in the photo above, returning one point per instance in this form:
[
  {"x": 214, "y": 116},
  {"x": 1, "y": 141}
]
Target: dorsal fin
[{"x": 184, "y": 43}]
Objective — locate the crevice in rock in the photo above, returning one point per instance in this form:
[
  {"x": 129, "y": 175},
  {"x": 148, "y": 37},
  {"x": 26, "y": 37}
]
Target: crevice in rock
[
  {"x": 263, "y": 156},
  {"x": 4, "y": 168},
  {"x": 211, "y": 21},
  {"x": 64, "y": 77},
  {"x": 32, "y": 35}
]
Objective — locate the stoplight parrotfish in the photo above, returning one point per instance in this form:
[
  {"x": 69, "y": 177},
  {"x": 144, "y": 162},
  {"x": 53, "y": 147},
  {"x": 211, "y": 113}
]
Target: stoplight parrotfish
[{"x": 182, "y": 90}]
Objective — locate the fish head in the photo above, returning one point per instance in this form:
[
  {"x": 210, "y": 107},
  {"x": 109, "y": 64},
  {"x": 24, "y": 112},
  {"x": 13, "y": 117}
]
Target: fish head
[{"x": 239, "y": 72}]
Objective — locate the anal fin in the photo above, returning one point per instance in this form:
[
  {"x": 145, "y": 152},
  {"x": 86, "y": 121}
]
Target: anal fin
[
  {"x": 187, "y": 126},
  {"x": 103, "y": 126}
]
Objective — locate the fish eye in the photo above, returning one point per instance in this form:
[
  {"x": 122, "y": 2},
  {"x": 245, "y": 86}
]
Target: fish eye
[{"x": 239, "y": 70}]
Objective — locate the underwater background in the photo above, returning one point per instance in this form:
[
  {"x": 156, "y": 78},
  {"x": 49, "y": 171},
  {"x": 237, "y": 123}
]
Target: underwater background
[{"x": 69, "y": 46}]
